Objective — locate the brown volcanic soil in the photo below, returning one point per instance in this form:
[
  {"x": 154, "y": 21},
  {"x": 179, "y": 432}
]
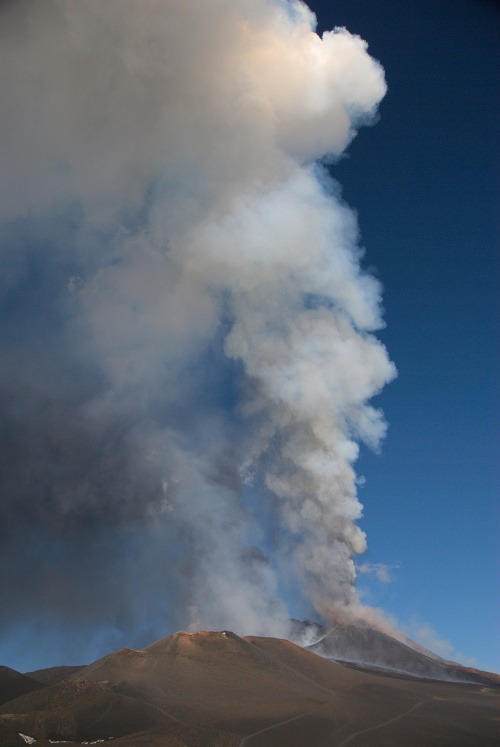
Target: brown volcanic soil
[
  {"x": 234, "y": 680},
  {"x": 217, "y": 689}
]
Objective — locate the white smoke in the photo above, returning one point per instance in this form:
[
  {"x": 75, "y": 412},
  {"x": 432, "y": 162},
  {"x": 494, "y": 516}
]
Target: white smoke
[{"x": 186, "y": 134}]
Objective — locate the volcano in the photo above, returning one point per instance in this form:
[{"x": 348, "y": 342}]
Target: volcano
[
  {"x": 372, "y": 648},
  {"x": 219, "y": 689}
]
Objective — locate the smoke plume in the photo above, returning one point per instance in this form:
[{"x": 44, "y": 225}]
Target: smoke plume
[{"x": 188, "y": 350}]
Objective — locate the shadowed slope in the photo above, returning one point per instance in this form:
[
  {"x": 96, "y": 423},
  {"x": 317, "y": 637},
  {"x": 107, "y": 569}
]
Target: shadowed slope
[
  {"x": 13, "y": 684},
  {"x": 53, "y": 675},
  {"x": 364, "y": 645}
]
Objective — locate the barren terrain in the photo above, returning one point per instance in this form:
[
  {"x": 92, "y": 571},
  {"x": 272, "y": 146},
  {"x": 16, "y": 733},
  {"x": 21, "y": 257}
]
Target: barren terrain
[{"x": 220, "y": 690}]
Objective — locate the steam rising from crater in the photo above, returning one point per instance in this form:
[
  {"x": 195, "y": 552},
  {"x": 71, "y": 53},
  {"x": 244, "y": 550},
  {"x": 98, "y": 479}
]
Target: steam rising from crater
[{"x": 191, "y": 374}]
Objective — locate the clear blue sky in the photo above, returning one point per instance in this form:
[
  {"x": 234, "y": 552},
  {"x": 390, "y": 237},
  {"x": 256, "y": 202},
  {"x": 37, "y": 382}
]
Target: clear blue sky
[
  {"x": 425, "y": 184},
  {"x": 89, "y": 559}
]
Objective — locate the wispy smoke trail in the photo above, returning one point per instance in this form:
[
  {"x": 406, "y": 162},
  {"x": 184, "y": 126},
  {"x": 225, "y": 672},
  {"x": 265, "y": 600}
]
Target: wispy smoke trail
[{"x": 186, "y": 311}]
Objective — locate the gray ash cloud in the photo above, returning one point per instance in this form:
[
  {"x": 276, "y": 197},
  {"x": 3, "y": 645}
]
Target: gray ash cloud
[{"x": 184, "y": 317}]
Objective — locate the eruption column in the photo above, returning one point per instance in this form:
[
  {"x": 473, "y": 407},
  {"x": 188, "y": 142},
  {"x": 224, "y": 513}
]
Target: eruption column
[{"x": 162, "y": 158}]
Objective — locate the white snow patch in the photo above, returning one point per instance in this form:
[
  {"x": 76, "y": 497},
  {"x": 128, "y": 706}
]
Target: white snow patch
[{"x": 26, "y": 739}]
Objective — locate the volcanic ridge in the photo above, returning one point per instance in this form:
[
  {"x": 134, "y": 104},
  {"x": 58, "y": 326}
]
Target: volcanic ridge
[{"x": 221, "y": 690}]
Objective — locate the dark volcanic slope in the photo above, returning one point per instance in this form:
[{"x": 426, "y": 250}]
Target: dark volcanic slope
[
  {"x": 13, "y": 684},
  {"x": 365, "y": 645},
  {"x": 219, "y": 690},
  {"x": 52, "y": 675}
]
